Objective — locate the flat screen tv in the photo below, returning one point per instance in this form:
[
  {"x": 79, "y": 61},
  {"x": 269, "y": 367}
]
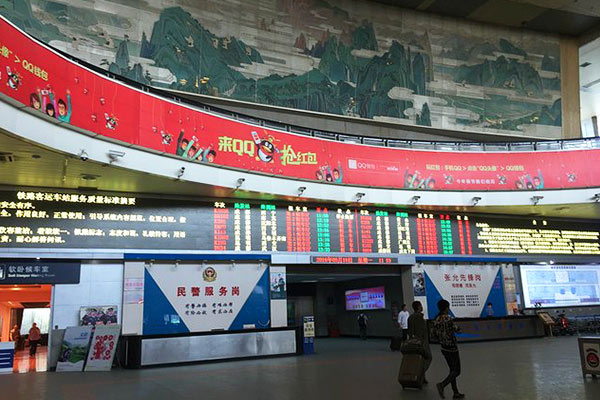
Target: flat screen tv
[
  {"x": 365, "y": 299},
  {"x": 560, "y": 285}
]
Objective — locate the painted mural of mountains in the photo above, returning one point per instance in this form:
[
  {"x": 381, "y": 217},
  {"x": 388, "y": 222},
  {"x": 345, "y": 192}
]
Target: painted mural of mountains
[
  {"x": 502, "y": 73},
  {"x": 342, "y": 83},
  {"x": 19, "y": 12},
  {"x": 180, "y": 44}
]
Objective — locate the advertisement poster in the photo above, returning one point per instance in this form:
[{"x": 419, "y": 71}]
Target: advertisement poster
[
  {"x": 98, "y": 315},
  {"x": 278, "y": 286},
  {"x": 201, "y": 298},
  {"x": 133, "y": 291},
  {"x": 74, "y": 348},
  {"x": 365, "y": 299},
  {"x": 418, "y": 284},
  {"x": 468, "y": 288},
  {"x": 103, "y": 348},
  {"x": 69, "y": 94}
]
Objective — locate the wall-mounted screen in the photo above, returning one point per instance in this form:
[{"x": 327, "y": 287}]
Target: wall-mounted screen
[
  {"x": 41, "y": 316},
  {"x": 365, "y": 299},
  {"x": 560, "y": 285}
]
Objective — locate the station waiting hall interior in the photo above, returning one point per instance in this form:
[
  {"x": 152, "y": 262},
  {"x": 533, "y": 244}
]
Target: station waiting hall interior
[{"x": 300, "y": 199}]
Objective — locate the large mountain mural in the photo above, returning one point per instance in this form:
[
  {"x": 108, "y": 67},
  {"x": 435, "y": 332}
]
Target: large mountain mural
[{"x": 340, "y": 57}]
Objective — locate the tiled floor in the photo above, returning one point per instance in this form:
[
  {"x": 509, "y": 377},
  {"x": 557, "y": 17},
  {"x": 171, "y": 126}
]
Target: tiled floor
[
  {"x": 26, "y": 363},
  {"x": 345, "y": 369}
]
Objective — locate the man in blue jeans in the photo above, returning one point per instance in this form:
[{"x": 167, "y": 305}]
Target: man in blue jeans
[{"x": 445, "y": 329}]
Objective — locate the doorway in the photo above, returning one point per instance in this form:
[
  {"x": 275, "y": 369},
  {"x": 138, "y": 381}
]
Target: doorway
[{"x": 20, "y": 307}]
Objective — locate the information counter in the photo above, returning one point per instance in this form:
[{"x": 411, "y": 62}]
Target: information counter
[
  {"x": 498, "y": 328},
  {"x": 148, "y": 351}
]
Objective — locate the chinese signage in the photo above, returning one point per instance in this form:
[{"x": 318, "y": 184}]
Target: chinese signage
[
  {"x": 52, "y": 220},
  {"x": 38, "y": 78},
  {"x": 473, "y": 290},
  {"x": 38, "y": 272},
  {"x": 197, "y": 298}
]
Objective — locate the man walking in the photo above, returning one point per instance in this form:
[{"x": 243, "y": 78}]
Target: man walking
[
  {"x": 34, "y": 337},
  {"x": 445, "y": 330},
  {"x": 362, "y": 325},
  {"x": 417, "y": 328},
  {"x": 403, "y": 322}
]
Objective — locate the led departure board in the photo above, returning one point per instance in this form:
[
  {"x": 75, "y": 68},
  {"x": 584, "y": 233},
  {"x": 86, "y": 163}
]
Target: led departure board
[{"x": 67, "y": 220}]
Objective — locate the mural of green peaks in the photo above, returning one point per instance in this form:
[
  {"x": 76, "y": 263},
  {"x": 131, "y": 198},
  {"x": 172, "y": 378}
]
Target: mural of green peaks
[{"x": 340, "y": 57}]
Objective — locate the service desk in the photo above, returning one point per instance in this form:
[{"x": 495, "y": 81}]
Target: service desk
[
  {"x": 154, "y": 350},
  {"x": 499, "y": 328}
]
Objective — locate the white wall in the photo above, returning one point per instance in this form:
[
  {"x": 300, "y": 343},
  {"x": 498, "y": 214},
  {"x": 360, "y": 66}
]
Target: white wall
[{"x": 101, "y": 284}]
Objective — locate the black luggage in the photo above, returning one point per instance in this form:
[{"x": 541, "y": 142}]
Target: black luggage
[
  {"x": 411, "y": 371},
  {"x": 396, "y": 343}
]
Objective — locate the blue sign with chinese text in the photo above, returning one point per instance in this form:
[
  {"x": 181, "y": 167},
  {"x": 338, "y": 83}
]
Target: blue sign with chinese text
[{"x": 38, "y": 272}]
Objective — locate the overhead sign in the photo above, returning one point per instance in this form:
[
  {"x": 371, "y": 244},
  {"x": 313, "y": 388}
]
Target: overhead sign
[
  {"x": 38, "y": 272},
  {"x": 374, "y": 235}
]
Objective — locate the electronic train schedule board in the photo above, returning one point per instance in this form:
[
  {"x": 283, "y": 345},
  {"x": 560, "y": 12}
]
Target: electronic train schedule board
[{"x": 50, "y": 219}]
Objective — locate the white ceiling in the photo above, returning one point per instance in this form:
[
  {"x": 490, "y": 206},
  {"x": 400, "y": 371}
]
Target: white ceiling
[{"x": 55, "y": 170}]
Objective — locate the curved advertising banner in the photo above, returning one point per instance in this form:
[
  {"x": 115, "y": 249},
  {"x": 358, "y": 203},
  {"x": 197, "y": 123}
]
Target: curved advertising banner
[{"x": 68, "y": 93}]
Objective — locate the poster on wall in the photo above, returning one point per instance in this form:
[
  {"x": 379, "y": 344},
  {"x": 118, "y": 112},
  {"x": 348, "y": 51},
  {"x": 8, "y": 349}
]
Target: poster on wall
[
  {"x": 278, "y": 286},
  {"x": 103, "y": 348},
  {"x": 74, "y": 348},
  {"x": 468, "y": 288},
  {"x": 98, "y": 315},
  {"x": 200, "y": 298},
  {"x": 418, "y": 284}
]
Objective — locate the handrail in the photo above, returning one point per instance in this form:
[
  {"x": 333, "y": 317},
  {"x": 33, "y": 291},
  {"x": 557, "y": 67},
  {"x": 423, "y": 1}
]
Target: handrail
[{"x": 537, "y": 145}]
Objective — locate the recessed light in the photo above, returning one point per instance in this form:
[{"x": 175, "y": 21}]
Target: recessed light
[{"x": 36, "y": 156}]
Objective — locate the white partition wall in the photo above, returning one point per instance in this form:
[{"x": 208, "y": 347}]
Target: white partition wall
[{"x": 101, "y": 284}]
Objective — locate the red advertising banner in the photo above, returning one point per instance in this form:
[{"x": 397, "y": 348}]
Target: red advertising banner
[{"x": 40, "y": 78}]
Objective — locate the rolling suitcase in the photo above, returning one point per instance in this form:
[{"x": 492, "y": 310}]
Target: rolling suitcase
[
  {"x": 396, "y": 343},
  {"x": 411, "y": 371}
]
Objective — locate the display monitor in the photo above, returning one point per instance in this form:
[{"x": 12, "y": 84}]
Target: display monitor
[
  {"x": 560, "y": 285},
  {"x": 41, "y": 316},
  {"x": 365, "y": 299}
]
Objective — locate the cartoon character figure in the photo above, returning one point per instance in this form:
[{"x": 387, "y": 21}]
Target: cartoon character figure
[
  {"x": 111, "y": 121},
  {"x": 265, "y": 148},
  {"x": 35, "y": 100},
  {"x": 13, "y": 79},
  {"x": 64, "y": 109},
  {"x": 166, "y": 137}
]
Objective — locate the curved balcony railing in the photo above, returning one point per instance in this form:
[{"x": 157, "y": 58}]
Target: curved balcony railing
[{"x": 70, "y": 91}]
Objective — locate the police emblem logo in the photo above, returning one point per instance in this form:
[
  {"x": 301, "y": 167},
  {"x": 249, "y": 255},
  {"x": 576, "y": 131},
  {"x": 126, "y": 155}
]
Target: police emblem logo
[{"x": 209, "y": 274}]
